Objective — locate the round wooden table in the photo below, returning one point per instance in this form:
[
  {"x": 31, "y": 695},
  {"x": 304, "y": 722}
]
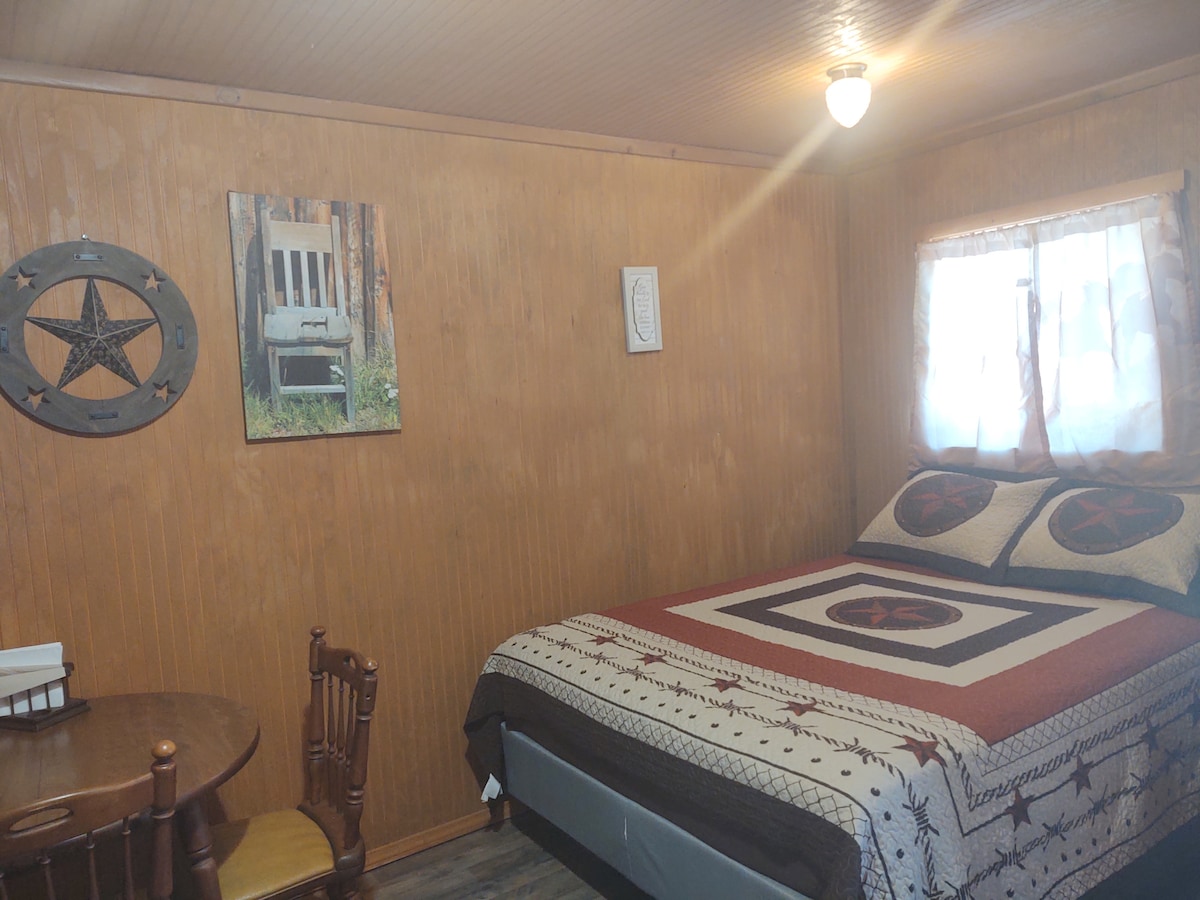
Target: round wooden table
[{"x": 111, "y": 742}]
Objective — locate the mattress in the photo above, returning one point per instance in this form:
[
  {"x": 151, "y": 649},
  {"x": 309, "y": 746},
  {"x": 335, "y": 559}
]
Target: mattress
[{"x": 853, "y": 728}]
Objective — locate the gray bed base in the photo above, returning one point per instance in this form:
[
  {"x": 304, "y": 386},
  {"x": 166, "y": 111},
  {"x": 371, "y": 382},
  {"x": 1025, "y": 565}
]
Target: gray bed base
[{"x": 659, "y": 857}]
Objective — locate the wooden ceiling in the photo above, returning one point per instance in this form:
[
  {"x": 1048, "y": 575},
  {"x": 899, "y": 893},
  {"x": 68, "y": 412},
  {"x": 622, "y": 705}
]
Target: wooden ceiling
[{"x": 730, "y": 75}]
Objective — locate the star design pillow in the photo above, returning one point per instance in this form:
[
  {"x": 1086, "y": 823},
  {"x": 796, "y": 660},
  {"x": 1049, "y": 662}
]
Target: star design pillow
[{"x": 960, "y": 523}]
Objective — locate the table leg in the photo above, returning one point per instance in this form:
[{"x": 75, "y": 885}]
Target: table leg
[{"x": 197, "y": 839}]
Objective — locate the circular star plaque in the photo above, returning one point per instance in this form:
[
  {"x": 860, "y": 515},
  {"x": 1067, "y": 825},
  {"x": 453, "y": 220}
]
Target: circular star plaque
[{"x": 93, "y": 338}]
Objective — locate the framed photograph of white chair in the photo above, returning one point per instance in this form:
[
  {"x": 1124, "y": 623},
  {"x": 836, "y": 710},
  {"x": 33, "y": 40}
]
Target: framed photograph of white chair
[{"x": 314, "y": 312}]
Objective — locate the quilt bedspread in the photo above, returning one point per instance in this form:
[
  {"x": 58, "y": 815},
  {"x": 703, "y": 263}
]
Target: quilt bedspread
[{"x": 967, "y": 741}]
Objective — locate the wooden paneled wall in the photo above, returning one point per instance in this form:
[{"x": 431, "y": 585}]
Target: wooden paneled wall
[
  {"x": 1145, "y": 133},
  {"x": 541, "y": 470}
]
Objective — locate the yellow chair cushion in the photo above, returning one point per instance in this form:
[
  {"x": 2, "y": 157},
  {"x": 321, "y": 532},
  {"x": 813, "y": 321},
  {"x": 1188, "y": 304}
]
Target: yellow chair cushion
[{"x": 263, "y": 854}]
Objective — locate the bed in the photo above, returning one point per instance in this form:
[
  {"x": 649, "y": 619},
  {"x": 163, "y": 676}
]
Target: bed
[{"x": 996, "y": 693}]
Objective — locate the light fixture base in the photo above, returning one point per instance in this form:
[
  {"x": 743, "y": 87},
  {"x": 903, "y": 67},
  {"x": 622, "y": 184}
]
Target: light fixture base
[{"x": 847, "y": 70}]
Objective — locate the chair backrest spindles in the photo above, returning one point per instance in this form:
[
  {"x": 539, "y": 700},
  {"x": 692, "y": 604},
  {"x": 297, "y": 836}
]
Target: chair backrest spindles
[
  {"x": 343, "y": 713},
  {"x": 93, "y": 879},
  {"x": 127, "y": 849},
  {"x": 351, "y": 744},
  {"x": 47, "y": 877},
  {"x": 54, "y": 828},
  {"x": 309, "y": 253},
  {"x": 330, "y": 738},
  {"x": 337, "y": 759}
]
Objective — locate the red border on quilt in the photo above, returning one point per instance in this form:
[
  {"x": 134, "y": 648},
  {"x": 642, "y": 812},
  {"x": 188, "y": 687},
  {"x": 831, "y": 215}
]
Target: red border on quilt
[{"x": 995, "y": 708}]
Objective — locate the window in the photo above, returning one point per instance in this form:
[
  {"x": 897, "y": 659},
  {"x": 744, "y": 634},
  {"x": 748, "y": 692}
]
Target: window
[{"x": 1064, "y": 343}]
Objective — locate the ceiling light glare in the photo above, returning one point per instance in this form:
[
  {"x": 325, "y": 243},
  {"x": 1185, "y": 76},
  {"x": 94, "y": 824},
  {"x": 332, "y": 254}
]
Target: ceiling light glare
[{"x": 848, "y": 94}]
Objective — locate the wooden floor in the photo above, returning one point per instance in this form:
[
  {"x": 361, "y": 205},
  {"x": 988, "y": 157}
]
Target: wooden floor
[
  {"x": 529, "y": 858},
  {"x": 526, "y": 857}
]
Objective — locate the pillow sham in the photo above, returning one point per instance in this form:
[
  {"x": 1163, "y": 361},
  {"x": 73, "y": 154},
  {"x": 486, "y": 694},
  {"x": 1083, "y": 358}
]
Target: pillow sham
[
  {"x": 1122, "y": 541},
  {"x": 961, "y": 523}
]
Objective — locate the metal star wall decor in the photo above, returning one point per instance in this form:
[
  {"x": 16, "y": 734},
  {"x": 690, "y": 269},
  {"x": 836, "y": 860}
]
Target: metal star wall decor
[{"x": 94, "y": 338}]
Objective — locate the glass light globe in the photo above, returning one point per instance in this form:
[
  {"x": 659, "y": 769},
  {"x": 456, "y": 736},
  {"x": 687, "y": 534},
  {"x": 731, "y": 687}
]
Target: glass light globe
[{"x": 848, "y": 95}]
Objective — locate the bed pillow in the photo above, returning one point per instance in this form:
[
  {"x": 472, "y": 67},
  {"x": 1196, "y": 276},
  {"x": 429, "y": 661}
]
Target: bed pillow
[
  {"x": 1122, "y": 541},
  {"x": 960, "y": 523}
]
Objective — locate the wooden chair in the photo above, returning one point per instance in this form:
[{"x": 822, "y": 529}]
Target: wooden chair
[
  {"x": 313, "y": 320},
  {"x": 59, "y": 836},
  {"x": 289, "y": 853}
]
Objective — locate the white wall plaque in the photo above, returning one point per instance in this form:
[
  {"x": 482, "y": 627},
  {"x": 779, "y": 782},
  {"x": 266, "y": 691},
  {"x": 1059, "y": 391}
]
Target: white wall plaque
[{"x": 639, "y": 288}]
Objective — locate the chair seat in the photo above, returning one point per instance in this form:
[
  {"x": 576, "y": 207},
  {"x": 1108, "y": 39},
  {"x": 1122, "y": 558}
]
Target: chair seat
[
  {"x": 261, "y": 855},
  {"x": 291, "y": 853},
  {"x": 301, "y": 325}
]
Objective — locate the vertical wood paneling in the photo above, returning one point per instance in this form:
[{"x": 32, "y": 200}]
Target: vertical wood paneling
[
  {"x": 1156, "y": 130},
  {"x": 541, "y": 471}
]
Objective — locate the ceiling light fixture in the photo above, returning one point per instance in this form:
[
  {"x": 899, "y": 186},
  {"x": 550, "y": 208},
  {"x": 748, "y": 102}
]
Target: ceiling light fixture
[{"x": 848, "y": 94}]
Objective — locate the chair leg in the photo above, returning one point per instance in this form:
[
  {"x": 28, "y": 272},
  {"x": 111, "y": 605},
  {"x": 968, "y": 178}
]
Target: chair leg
[
  {"x": 345, "y": 890},
  {"x": 273, "y": 366},
  {"x": 349, "y": 370}
]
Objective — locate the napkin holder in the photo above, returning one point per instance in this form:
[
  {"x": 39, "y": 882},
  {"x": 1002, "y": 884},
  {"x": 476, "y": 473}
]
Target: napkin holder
[{"x": 58, "y": 704}]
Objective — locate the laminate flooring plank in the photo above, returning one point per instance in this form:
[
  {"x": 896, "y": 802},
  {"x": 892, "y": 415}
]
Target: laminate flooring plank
[{"x": 528, "y": 860}]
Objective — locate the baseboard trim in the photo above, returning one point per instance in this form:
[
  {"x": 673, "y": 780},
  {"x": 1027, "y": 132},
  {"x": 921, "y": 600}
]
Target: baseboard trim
[{"x": 423, "y": 840}]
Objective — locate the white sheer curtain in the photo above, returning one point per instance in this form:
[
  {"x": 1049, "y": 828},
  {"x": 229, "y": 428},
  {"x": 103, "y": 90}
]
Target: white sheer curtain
[{"x": 1065, "y": 344}]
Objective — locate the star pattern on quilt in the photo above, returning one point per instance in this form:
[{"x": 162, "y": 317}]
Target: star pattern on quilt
[
  {"x": 1018, "y": 809},
  {"x": 893, "y": 613},
  {"x": 1104, "y": 520},
  {"x": 767, "y": 758},
  {"x": 941, "y": 502},
  {"x": 923, "y": 750},
  {"x": 1082, "y": 775},
  {"x": 1151, "y": 735},
  {"x": 796, "y": 708}
]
